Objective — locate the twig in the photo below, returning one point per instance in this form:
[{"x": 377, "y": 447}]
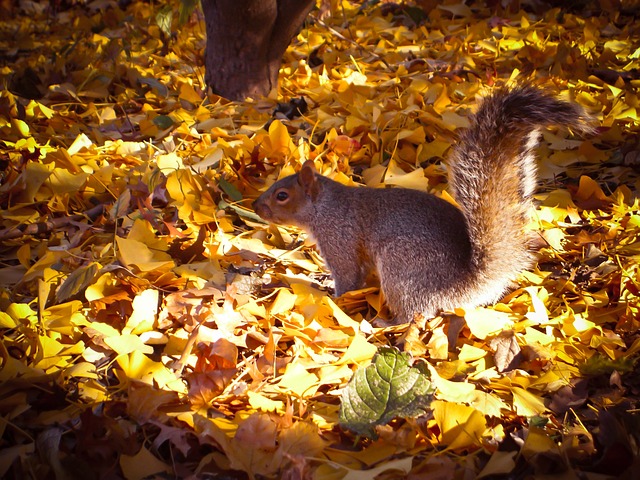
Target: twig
[
  {"x": 49, "y": 225},
  {"x": 180, "y": 364}
]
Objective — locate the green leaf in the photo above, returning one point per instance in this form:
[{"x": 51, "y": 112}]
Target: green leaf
[
  {"x": 121, "y": 206},
  {"x": 163, "y": 121},
  {"x": 77, "y": 281},
  {"x": 164, "y": 18},
  {"x": 230, "y": 189},
  {"x": 222, "y": 205},
  {"x": 186, "y": 9},
  {"x": 387, "y": 388},
  {"x": 156, "y": 85},
  {"x": 600, "y": 365}
]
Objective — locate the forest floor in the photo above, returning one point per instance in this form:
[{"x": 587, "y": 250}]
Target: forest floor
[{"x": 154, "y": 327}]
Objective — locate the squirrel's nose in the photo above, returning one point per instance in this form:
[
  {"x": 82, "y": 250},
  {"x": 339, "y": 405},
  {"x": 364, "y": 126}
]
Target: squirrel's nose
[{"x": 261, "y": 208}]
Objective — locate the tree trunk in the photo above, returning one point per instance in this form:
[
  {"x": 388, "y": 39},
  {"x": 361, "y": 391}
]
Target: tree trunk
[{"x": 246, "y": 40}]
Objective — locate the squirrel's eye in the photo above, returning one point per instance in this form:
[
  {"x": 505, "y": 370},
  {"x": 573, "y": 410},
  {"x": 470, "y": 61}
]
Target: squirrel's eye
[{"x": 282, "y": 196}]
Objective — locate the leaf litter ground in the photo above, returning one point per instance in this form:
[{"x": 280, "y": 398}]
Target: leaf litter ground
[{"x": 153, "y": 327}]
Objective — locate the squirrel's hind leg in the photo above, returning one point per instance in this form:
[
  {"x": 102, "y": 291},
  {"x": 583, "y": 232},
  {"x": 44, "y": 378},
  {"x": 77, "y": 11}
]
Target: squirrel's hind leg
[{"x": 396, "y": 299}]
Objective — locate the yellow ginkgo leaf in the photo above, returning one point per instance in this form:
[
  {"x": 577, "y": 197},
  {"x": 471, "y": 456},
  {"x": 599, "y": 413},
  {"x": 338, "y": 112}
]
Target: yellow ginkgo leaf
[
  {"x": 20, "y": 126},
  {"x": 142, "y": 465},
  {"x": 126, "y": 344},
  {"x": 358, "y": 352},
  {"x": 145, "y": 307},
  {"x": 188, "y": 93},
  {"x": 451, "y": 391},
  {"x": 260, "y": 402},
  {"x": 298, "y": 381},
  {"x": 135, "y": 253},
  {"x": 279, "y": 139},
  {"x": 460, "y": 426},
  {"x": 284, "y": 302},
  {"x": 484, "y": 321},
  {"x": 6, "y": 321},
  {"x": 487, "y": 403},
  {"x": 526, "y": 403},
  {"x": 471, "y": 353},
  {"x": 500, "y": 463}
]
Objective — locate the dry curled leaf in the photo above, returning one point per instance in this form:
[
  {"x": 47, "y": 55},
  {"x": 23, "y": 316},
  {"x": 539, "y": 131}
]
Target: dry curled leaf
[{"x": 507, "y": 353}]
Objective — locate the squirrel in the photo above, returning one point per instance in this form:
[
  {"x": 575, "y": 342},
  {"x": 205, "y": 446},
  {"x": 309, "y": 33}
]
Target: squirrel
[{"x": 430, "y": 255}]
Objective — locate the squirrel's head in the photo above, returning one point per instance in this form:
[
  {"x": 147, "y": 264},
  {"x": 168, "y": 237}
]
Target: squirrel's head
[{"x": 290, "y": 201}]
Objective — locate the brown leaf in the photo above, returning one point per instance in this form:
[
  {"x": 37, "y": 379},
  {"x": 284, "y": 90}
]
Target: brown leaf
[
  {"x": 214, "y": 370},
  {"x": 507, "y": 353},
  {"x": 145, "y": 401},
  {"x": 569, "y": 396}
]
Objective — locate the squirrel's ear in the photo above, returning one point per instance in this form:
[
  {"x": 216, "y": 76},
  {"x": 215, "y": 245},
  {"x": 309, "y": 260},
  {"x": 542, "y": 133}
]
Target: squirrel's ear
[{"x": 307, "y": 179}]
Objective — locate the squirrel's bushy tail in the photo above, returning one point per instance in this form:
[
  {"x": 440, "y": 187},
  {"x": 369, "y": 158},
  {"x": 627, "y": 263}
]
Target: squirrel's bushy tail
[{"x": 493, "y": 176}]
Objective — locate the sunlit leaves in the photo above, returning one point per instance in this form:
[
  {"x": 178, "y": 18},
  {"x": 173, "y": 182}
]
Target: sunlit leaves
[{"x": 172, "y": 333}]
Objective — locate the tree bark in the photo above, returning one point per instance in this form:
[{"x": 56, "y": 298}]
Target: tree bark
[{"x": 246, "y": 40}]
